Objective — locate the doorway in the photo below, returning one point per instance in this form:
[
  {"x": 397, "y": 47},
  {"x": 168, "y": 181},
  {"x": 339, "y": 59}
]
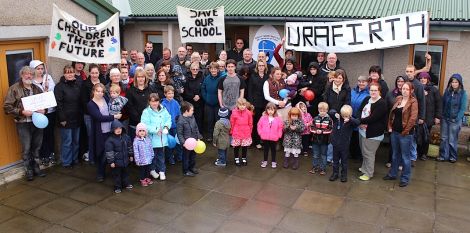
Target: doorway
[{"x": 13, "y": 56}]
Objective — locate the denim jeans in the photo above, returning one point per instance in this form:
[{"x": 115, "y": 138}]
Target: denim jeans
[
  {"x": 401, "y": 155},
  {"x": 222, "y": 155},
  {"x": 89, "y": 132},
  {"x": 449, "y": 139},
  {"x": 414, "y": 149},
  {"x": 158, "y": 162},
  {"x": 30, "y": 140},
  {"x": 329, "y": 153},
  {"x": 319, "y": 152},
  {"x": 69, "y": 145}
]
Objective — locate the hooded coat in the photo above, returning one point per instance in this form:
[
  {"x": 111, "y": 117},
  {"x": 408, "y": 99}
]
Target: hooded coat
[
  {"x": 118, "y": 148},
  {"x": 156, "y": 121},
  {"x": 454, "y": 102}
]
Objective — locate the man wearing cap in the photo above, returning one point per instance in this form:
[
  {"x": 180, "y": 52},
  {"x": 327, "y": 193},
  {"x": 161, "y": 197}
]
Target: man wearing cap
[{"x": 29, "y": 135}]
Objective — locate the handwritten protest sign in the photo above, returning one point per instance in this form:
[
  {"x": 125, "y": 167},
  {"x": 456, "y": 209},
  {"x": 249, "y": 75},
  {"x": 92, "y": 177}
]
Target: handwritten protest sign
[
  {"x": 358, "y": 35},
  {"x": 201, "y": 26},
  {"x": 39, "y": 101},
  {"x": 74, "y": 40}
]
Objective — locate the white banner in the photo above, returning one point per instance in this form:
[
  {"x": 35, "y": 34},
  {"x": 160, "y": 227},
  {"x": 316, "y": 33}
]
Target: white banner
[
  {"x": 358, "y": 35},
  {"x": 39, "y": 101},
  {"x": 201, "y": 26},
  {"x": 74, "y": 40},
  {"x": 266, "y": 39}
]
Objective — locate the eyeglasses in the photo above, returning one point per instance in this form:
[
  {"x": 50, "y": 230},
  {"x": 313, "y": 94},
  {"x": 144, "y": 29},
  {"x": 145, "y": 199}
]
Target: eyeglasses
[{"x": 195, "y": 69}]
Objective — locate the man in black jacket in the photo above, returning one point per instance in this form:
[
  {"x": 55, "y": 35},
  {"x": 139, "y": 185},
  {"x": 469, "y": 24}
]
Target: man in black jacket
[
  {"x": 150, "y": 55},
  {"x": 237, "y": 52}
]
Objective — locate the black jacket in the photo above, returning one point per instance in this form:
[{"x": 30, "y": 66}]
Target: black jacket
[
  {"x": 192, "y": 87},
  {"x": 377, "y": 120},
  {"x": 337, "y": 100},
  {"x": 138, "y": 101},
  {"x": 255, "y": 90},
  {"x": 341, "y": 135},
  {"x": 187, "y": 128},
  {"x": 235, "y": 55},
  {"x": 153, "y": 58},
  {"x": 419, "y": 94},
  {"x": 433, "y": 104},
  {"x": 383, "y": 88},
  {"x": 69, "y": 107},
  {"x": 118, "y": 148}
]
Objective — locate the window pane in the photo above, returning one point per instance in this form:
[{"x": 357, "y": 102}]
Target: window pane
[
  {"x": 15, "y": 61},
  {"x": 436, "y": 52}
]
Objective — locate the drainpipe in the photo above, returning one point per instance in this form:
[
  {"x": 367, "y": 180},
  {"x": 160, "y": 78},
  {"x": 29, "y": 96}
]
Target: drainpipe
[{"x": 122, "y": 23}]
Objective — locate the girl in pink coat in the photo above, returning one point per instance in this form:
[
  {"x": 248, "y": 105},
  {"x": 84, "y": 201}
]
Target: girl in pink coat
[
  {"x": 270, "y": 131},
  {"x": 241, "y": 121}
]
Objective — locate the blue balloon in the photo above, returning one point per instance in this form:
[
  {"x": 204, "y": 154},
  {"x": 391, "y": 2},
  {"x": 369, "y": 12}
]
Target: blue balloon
[
  {"x": 171, "y": 141},
  {"x": 283, "y": 93},
  {"x": 40, "y": 120}
]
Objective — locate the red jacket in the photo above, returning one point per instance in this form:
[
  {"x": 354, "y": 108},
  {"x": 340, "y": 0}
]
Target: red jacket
[
  {"x": 242, "y": 123},
  {"x": 270, "y": 132}
]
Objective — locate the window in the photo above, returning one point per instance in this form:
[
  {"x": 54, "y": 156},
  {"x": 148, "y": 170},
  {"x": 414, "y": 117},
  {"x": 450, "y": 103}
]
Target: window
[
  {"x": 438, "y": 51},
  {"x": 157, "y": 40}
]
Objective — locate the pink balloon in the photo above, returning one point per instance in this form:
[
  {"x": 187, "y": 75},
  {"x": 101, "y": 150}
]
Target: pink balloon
[{"x": 190, "y": 144}]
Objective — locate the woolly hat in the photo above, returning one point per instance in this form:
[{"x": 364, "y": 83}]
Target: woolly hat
[
  {"x": 292, "y": 78},
  {"x": 424, "y": 75},
  {"x": 35, "y": 63},
  {"x": 223, "y": 112},
  {"x": 141, "y": 126}
]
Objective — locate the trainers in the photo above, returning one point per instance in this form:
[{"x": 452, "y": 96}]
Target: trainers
[
  {"x": 154, "y": 174},
  {"x": 259, "y": 146},
  {"x": 264, "y": 164},
  {"x": 52, "y": 158},
  {"x": 388, "y": 165},
  {"x": 305, "y": 154},
  {"x": 388, "y": 177},
  {"x": 237, "y": 162},
  {"x": 144, "y": 182},
  {"x": 313, "y": 171},
  {"x": 86, "y": 157},
  {"x": 400, "y": 168},
  {"x": 322, "y": 173},
  {"x": 117, "y": 191},
  {"x": 190, "y": 174},
  {"x": 360, "y": 169},
  {"x": 162, "y": 175},
  {"x": 364, "y": 178},
  {"x": 244, "y": 162},
  {"x": 149, "y": 181},
  {"x": 194, "y": 170},
  {"x": 273, "y": 164},
  {"x": 219, "y": 163},
  {"x": 129, "y": 187},
  {"x": 403, "y": 184}
]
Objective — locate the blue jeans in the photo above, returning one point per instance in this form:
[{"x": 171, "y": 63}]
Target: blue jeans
[
  {"x": 449, "y": 139},
  {"x": 414, "y": 149},
  {"x": 69, "y": 145},
  {"x": 401, "y": 155},
  {"x": 319, "y": 152},
  {"x": 222, "y": 155},
  {"x": 158, "y": 162},
  {"x": 329, "y": 153},
  {"x": 87, "y": 119}
]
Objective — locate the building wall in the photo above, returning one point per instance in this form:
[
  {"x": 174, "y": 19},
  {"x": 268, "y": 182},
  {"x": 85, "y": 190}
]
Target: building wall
[
  {"x": 458, "y": 57},
  {"x": 33, "y": 22}
]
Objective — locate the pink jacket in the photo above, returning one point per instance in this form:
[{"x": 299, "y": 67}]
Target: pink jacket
[
  {"x": 308, "y": 120},
  {"x": 270, "y": 132},
  {"x": 242, "y": 123}
]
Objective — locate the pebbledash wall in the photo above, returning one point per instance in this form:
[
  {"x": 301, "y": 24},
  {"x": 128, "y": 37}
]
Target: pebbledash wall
[
  {"x": 31, "y": 19},
  {"x": 394, "y": 59}
]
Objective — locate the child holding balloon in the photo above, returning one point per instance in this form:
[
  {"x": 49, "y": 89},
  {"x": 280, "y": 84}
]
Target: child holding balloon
[
  {"x": 241, "y": 121},
  {"x": 173, "y": 107},
  {"x": 158, "y": 122},
  {"x": 143, "y": 153},
  {"x": 188, "y": 132}
]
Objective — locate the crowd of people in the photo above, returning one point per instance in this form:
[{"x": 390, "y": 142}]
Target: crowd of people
[{"x": 126, "y": 113}]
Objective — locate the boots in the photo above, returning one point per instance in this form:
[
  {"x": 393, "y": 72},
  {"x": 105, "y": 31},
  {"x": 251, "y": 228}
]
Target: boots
[
  {"x": 286, "y": 162},
  {"x": 334, "y": 176},
  {"x": 29, "y": 175},
  {"x": 295, "y": 164},
  {"x": 38, "y": 171},
  {"x": 344, "y": 176}
]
